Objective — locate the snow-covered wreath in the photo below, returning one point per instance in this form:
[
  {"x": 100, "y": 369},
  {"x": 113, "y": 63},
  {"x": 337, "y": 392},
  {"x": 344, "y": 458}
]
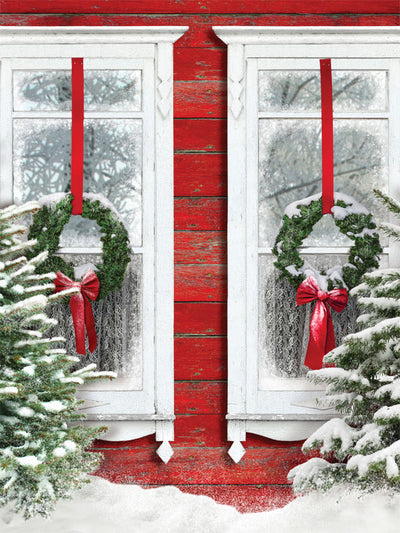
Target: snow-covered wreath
[
  {"x": 48, "y": 224},
  {"x": 352, "y": 219}
]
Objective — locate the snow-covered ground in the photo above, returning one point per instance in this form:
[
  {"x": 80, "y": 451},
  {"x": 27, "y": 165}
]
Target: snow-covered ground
[{"x": 103, "y": 507}]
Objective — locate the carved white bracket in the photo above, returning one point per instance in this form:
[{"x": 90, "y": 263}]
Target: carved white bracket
[
  {"x": 236, "y": 451},
  {"x": 165, "y": 78},
  {"x": 236, "y": 81},
  {"x": 165, "y": 451}
]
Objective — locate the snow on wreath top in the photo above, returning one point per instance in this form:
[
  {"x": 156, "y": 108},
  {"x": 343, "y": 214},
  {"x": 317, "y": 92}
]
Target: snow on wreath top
[
  {"x": 48, "y": 224},
  {"x": 352, "y": 219}
]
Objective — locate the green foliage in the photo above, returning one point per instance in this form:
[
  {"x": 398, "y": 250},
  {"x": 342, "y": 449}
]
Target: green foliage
[
  {"x": 362, "y": 448},
  {"x": 42, "y": 459},
  {"x": 48, "y": 224},
  {"x": 363, "y": 255}
]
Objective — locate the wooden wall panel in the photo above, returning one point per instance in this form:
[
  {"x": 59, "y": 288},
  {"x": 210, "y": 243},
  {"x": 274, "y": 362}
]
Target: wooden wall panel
[{"x": 200, "y": 464}]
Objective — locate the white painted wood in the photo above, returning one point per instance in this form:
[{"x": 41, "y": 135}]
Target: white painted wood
[
  {"x": 128, "y": 413},
  {"x": 237, "y": 329},
  {"x": 236, "y": 451},
  {"x": 287, "y": 410},
  {"x": 165, "y": 452}
]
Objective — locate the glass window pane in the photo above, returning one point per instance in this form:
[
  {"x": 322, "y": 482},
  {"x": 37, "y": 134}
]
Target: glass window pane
[
  {"x": 104, "y": 90},
  {"x": 112, "y": 163},
  {"x": 118, "y": 322},
  {"x": 290, "y": 169},
  {"x": 301, "y": 90}
]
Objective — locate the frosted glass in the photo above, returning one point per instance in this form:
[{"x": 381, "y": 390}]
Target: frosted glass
[
  {"x": 301, "y": 90},
  {"x": 112, "y": 164},
  {"x": 290, "y": 169},
  {"x": 118, "y": 320},
  {"x": 104, "y": 90}
]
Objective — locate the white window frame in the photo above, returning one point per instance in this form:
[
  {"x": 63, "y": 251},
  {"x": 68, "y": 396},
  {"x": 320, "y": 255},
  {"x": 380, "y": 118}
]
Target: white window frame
[
  {"x": 128, "y": 414},
  {"x": 282, "y": 414}
]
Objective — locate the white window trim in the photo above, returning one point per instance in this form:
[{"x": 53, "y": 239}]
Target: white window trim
[
  {"x": 268, "y": 45},
  {"x": 128, "y": 414}
]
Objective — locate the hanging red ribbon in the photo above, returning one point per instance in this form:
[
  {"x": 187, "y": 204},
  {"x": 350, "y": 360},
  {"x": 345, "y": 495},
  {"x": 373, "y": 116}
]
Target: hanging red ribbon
[
  {"x": 77, "y": 136},
  {"x": 81, "y": 309},
  {"x": 322, "y": 335},
  {"x": 327, "y": 135}
]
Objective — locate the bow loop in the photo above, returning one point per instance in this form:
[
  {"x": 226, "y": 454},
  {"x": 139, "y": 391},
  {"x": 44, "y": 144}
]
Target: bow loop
[
  {"x": 322, "y": 335},
  {"x": 81, "y": 310}
]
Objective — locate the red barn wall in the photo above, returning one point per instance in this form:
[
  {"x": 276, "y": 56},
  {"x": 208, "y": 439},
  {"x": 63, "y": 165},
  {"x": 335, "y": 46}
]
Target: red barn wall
[{"x": 200, "y": 463}]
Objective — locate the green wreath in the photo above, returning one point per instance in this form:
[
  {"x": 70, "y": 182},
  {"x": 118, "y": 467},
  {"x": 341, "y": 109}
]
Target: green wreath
[
  {"x": 48, "y": 224},
  {"x": 352, "y": 219}
]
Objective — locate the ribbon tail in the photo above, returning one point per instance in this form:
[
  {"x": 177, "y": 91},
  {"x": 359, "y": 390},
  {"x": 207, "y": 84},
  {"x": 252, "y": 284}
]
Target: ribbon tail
[
  {"x": 77, "y": 305},
  {"x": 330, "y": 336},
  {"x": 90, "y": 326},
  {"x": 317, "y": 340}
]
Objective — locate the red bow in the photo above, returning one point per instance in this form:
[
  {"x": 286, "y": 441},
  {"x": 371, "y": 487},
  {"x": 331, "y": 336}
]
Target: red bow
[
  {"x": 322, "y": 335},
  {"x": 81, "y": 310}
]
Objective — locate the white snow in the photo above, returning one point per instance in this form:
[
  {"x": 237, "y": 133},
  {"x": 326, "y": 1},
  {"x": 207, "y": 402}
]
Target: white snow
[
  {"x": 339, "y": 213},
  {"x": 103, "y": 507},
  {"x": 55, "y": 198},
  {"x": 26, "y": 412},
  {"x": 28, "y": 460},
  {"x": 336, "y": 428},
  {"x": 54, "y": 406}
]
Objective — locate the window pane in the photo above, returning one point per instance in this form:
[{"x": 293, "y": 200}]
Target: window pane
[
  {"x": 118, "y": 319},
  {"x": 284, "y": 328},
  {"x": 301, "y": 90},
  {"x": 104, "y": 90},
  {"x": 290, "y": 169},
  {"x": 112, "y": 164}
]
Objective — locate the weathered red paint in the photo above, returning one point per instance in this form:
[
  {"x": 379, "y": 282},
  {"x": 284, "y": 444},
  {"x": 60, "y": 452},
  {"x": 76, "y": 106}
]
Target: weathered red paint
[
  {"x": 200, "y": 174},
  {"x": 198, "y": 6},
  {"x": 200, "y": 464},
  {"x": 204, "y": 247}
]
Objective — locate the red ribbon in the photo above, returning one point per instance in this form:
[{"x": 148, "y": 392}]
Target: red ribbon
[
  {"x": 81, "y": 310},
  {"x": 327, "y": 135},
  {"x": 322, "y": 335},
  {"x": 77, "y": 136}
]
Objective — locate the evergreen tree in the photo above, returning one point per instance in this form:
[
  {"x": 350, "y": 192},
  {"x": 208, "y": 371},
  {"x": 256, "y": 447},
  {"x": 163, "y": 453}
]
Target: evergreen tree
[
  {"x": 41, "y": 458},
  {"x": 363, "y": 447}
]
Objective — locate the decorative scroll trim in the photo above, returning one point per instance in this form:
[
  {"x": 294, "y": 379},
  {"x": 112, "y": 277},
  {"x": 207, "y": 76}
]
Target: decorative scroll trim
[{"x": 236, "y": 80}]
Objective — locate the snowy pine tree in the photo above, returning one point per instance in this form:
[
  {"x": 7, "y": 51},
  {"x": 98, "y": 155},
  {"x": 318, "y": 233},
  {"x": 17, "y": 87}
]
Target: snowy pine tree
[
  {"x": 363, "y": 447},
  {"x": 41, "y": 459}
]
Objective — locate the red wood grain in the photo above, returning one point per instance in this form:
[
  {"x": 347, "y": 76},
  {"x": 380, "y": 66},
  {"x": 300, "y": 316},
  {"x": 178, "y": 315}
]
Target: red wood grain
[
  {"x": 245, "y": 498},
  {"x": 198, "y": 6},
  {"x": 199, "y": 64},
  {"x": 200, "y": 358},
  {"x": 200, "y": 397},
  {"x": 199, "y": 99},
  {"x": 200, "y": 318},
  {"x": 200, "y": 174},
  {"x": 199, "y": 466},
  {"x": 200, "y": 247},
  {"x": 200, "y": 135},
  {"x": 200, "y": 283},
  {"x": 200, "y": 214}
]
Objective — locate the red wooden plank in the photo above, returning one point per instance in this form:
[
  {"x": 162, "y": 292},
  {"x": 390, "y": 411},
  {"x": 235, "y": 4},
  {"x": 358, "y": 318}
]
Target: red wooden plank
[
  {"x": 198, "y": 6},
  {"x": 245, "y": 498},
  {"x": 200, "y": 135},
  {"x": 199, "y": 99},
  {"x": 200, "y": 214},
  {"x": 200, "y": 33},
  {"x": 200, "y": 318},
  {"x": 195, "y": 64},
  {"x": 199, "y": 465},
  {"x": 200, "y": 358},
  {"x": 200, "y": 283},
  {"x": 200, "y": 247},
  {"x": 200, "y": 174},
  {"x": 200, "y": 397}
]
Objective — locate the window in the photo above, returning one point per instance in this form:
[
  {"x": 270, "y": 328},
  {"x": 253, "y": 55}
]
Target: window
[
  {"x": 128, "y": 161},
  {"x": 274, "y": 158}
]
